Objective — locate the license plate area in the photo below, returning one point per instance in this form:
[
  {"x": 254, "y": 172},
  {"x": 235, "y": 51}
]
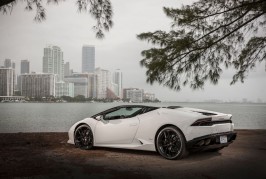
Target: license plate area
[{"x": 223, "y": 139}]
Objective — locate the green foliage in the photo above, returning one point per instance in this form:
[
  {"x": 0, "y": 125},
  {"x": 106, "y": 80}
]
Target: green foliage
[
  {"x": 205, "y": 36},
  {"x": 79, "y": 98},
  {"x": 100, "y": 10},
  {"x": 151, "y": 101}
]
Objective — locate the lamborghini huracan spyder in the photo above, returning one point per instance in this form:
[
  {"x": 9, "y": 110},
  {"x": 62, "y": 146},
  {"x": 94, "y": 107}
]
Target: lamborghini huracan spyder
[{"x": 171, "y": 131}]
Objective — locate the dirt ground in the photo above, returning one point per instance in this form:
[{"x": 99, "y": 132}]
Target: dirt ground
[{"x": 47, "y": 155}]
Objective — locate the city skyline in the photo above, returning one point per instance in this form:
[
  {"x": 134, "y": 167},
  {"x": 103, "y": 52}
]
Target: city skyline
[
  {"x": 120, "y": 48},
  {"x": 98, "y": 84},
  {"x": 8, "y": 61}
]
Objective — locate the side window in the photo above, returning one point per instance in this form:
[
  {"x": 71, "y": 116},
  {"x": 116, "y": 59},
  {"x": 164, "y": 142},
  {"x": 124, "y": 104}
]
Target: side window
[{"x": 122, "y": 113}]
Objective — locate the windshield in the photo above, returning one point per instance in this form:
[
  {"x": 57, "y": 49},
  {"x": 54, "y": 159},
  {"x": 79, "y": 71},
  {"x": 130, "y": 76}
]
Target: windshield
[{"x": 122, "y": 113}]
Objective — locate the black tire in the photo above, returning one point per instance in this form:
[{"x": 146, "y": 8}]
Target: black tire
[
  {"x": 170, "y": 143},
  {"x": 83, "y": 137}
]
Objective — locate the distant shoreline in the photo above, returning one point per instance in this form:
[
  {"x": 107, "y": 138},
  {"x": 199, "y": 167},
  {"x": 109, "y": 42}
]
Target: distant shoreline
[{"x": 204, "y": 102}]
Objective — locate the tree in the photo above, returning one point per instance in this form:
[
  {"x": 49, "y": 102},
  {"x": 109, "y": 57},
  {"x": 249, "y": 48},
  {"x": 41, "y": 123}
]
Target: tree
[
  {"x": 101, "y": 11},
  {"x": 79, "y": 98},
  {"x": 205, "y": 36}
]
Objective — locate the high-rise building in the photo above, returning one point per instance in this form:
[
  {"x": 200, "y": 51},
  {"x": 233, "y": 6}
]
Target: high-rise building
[
  {"x": 64, "y": 89},
  {"x": 53, "y": 62},
  {"x": 92, "y": 91},
  {"x": 103, "y": 83},
  {"x": 117, "y": 79},
  {"x": 84, "y": 84},
  {"x": 6, "y": 82},
  {"x": 24, "y": 66},
  {"x": 37, "y": 85},
  {"x": 7, "y": 63},
  {"x": 67, "y": 71},
  {"x": 14, "y": 65},
  {"x": 114, "y": 89},
  {"x": 88, "y": 59}
]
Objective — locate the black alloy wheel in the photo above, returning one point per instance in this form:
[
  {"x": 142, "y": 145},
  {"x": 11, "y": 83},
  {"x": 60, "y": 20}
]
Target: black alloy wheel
[
  {"x": 170, "y": 143},
  {"x": 83, "y": 137}
]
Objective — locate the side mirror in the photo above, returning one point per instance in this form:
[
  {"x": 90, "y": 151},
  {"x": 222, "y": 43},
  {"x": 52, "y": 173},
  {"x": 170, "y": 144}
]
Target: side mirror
[{"x": 99, "y": 118}]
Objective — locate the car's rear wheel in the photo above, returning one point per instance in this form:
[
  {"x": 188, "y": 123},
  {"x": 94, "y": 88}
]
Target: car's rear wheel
[
  {"x": 170, "y": 143},
  {"x": 83, "y": 137}
]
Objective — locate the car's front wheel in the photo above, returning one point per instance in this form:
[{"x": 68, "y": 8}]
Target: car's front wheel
[
  {"x": 170, "y": 143},
  {"x": 83, "y": 137}
]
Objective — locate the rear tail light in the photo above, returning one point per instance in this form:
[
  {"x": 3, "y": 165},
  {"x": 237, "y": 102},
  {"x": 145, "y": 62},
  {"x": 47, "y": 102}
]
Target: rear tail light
[
  {"x": 202, "y": 122},
  {"x": 209, "y": 122}
]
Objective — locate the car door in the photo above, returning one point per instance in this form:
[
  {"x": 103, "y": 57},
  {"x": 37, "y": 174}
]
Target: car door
[{"x": 117, "y": 127}]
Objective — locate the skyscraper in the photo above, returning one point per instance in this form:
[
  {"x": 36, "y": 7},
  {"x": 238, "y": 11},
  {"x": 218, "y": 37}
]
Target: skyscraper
[
  {"x": 24, "y": 66},
  {"x": 14, "y": 65},
  {"x": 88, "y": 59},
  {"x": 37, "y": 85},
  {"x": 117, "y": 79},
  {"x": 6, "y": 81},
  {"x": 7, "y": 63},
  {"x": 66, "y": 69},
  {"x": 103, "y": 83},
  {"x": 53, "y": 61}
]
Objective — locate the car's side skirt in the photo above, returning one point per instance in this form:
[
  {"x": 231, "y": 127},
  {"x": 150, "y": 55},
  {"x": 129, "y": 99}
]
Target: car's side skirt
[{"x": 137, "y": 144}]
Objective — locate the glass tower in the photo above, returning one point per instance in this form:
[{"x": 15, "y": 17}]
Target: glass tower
[
  {"x": 25, "y": 67},
  {"x": 88, "y": 59}
]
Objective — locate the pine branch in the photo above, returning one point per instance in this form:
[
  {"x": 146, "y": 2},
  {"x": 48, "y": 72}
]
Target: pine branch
[
  {"x": 223, "y": 37},
  {"x": 5, "y": 2},
  {"x": 229, "y": 10},
  {"x": 222, "y": 26}
]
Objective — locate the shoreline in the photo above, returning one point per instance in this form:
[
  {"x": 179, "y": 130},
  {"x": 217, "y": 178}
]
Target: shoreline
[{"x": 47, "y": 154}]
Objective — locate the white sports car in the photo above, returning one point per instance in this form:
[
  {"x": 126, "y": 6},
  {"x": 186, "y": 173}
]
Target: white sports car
[{"x": 171, "y": 131}]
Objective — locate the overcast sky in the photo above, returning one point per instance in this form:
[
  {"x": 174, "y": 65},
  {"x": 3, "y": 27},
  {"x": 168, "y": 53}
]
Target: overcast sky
[{"x": 22, "y": 38}]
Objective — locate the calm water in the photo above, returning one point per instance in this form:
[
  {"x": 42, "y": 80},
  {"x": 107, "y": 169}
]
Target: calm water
[{"x": 59, "y": 117}]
